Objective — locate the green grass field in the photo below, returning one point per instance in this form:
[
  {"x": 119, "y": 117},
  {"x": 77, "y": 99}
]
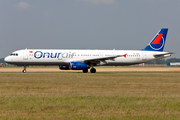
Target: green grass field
[{"x": 55, "y": 96}]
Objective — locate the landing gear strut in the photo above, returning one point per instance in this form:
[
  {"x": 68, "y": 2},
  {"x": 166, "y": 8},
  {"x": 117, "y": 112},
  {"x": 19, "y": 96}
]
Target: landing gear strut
[
  {"x": 93, "y": 70},
  {"x": 24, "y": 71}
]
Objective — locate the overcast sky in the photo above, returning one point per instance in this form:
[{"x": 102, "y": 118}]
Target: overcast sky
[{"x": 87, "y": 24}]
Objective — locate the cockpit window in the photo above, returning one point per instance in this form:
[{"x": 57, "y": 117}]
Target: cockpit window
[{"x": 13, "y": 54}]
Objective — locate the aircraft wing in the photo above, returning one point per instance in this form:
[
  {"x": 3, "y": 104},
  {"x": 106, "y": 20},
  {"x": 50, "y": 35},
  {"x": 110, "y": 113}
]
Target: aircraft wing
[
  {"x": 163, "y": 54},
  {"x": 98, "y": 60},
  {"x": 102, "y": 59}
]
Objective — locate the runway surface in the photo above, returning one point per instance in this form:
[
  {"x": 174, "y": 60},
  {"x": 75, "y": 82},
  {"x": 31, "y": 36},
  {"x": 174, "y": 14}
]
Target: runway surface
[{"x": 100, "y": 70}]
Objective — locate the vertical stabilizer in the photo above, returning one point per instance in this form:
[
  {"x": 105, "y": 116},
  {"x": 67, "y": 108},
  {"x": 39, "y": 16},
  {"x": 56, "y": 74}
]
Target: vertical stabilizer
[{"x": 158, "y": 42}]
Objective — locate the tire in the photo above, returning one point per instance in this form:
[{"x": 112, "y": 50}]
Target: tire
[
  {"x": 93, "y": 70},
  {"x": 85, "y": 70},
  {"x": 24, "y": 71}
]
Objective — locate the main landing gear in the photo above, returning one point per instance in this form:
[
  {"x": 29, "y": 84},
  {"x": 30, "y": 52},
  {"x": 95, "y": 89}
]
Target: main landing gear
[
  {"x": 93, "y": 70},
  {"x": 85, "y": 70},
  {"x": 24, "y": 71}
]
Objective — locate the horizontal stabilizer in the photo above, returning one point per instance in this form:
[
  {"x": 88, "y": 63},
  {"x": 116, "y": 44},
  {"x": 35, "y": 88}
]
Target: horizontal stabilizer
[{"x": 162, "y": 55}]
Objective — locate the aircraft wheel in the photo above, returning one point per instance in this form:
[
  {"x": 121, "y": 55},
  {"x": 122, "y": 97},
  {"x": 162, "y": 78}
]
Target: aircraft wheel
[
  {"x": 24, "y": 71},
  {"x": 93, "y": 70},
  {"x": 85, "y": 70}
]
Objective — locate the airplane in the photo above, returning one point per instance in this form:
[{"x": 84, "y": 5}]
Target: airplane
[{"x": 71, "y": 59}]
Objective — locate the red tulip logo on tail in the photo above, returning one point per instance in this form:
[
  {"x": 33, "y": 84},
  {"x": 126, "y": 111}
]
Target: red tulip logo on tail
[{"x": 158, "y": 42}]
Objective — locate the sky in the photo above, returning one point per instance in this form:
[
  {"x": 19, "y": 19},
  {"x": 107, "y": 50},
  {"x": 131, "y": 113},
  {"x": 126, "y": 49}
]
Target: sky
[{"x": 87, "y": 24}]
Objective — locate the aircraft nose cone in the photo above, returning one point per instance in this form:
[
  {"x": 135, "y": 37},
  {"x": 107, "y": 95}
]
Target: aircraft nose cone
[{"x": 7, "y": 59}]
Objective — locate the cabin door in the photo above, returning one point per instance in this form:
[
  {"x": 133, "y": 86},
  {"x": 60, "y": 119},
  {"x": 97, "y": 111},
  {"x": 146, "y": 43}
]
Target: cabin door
[
  {"x": 25, "y": 55},
  {"x": 144, "y": 56}
]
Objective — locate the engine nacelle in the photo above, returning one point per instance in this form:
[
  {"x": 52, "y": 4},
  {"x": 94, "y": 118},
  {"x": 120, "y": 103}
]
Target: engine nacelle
[
  {"x": 64, "y": 67},
  {"x": 78, "y": 66}
]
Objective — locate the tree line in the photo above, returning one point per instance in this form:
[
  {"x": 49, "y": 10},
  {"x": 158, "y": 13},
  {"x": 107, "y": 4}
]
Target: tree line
[
  {"x": 165, "y": 61},
  {"x": 2, "y": 60}
]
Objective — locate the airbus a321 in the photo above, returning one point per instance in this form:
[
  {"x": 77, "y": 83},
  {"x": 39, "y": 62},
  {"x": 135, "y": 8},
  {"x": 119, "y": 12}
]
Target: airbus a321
[{"x": 69, "y": 59}]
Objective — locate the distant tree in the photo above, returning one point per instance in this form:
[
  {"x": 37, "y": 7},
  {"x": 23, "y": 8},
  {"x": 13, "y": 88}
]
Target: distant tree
[
  {"x": 165, "y": 61},
  {"x": 2, "y": 60},
  {"x": 173, "y": 60}
]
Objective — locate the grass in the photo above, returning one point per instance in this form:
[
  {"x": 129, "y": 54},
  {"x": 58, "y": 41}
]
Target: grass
[{"x": 89, "y": 96}]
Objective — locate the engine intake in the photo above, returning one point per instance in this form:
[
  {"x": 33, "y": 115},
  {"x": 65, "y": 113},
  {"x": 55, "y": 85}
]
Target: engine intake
[{"x": 64, "y": 67}]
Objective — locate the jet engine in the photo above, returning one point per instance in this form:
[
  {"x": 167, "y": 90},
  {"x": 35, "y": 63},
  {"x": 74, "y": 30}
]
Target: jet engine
[
  {"x": 78, "y": 66},
  {"x": 64, "y": 67}
]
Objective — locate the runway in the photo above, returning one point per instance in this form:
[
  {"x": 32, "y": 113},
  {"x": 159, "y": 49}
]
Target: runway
[{"x": 100, "y": 70}]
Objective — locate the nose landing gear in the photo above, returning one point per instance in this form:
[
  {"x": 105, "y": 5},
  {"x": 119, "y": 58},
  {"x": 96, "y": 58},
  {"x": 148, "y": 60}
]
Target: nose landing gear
[{"x": 24, "y": 71}]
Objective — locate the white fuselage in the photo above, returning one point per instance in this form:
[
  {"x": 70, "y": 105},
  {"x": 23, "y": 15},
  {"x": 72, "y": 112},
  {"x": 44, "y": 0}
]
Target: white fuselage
[{"x": 64, "y": 57}]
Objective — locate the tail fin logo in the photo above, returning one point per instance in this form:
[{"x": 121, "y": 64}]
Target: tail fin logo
[{"x": 158, "y": 42}]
